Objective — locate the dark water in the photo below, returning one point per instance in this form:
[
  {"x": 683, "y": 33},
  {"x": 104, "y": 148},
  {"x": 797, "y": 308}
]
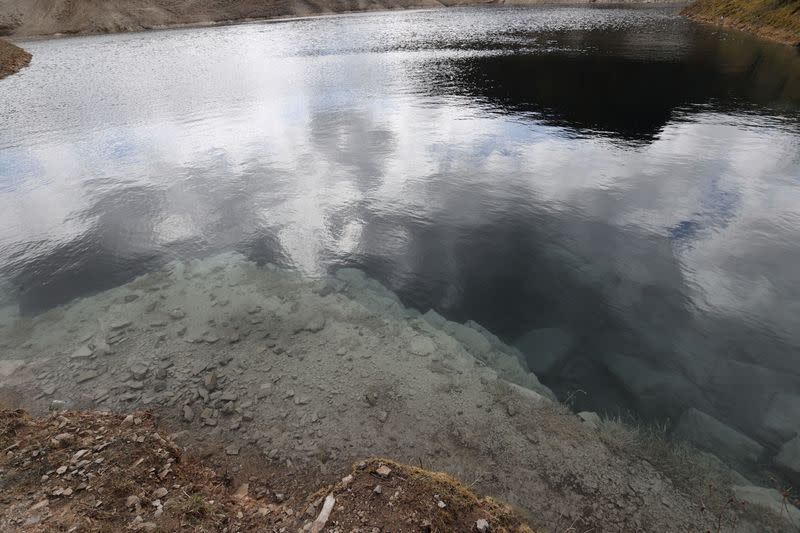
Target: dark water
[{"x": 622, "y": 175}]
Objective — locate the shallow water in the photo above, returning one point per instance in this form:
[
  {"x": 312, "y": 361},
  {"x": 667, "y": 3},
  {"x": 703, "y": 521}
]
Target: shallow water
[{"x": 620, "y": 182}]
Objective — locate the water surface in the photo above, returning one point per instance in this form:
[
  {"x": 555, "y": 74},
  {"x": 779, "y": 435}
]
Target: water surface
[{"x": 619, "y": 176}]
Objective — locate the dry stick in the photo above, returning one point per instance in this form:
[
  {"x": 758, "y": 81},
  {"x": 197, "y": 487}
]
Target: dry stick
[{"x": 324, "y": 514}]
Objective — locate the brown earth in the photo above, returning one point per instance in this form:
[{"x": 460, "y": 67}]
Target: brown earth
[
  {"x": 110, "y": 472},
  {"x": 778, "y": 20},
  {"x": 48, "y": 17},
  {"x": 12, "y": 59}
]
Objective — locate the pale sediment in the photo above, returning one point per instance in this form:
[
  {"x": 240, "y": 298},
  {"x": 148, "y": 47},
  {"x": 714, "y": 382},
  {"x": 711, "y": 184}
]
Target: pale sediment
[{"x": 309, "y": 372}]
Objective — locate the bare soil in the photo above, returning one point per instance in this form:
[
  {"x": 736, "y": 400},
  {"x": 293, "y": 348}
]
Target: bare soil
[
  {"x": 111, "y": 472},
  {"x": 12, "y": 59},
  {"x": 778, "y": 20}
]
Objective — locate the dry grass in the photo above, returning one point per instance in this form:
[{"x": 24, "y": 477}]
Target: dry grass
[{"x": 776, "y": 19}]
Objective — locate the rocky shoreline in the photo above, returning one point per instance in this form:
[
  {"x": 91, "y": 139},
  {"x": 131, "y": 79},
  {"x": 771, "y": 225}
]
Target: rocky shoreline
[
  {"x": 777, "y": 21},
  {"x": 24, "y": 18},
  {"x": 307, "y": 374},
  {"x": 12, "y": 59}
]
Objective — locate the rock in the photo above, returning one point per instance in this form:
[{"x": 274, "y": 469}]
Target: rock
[
  {"x": 657, "y": 390},
  {"x": 128, "y": 420},
  {"x": 210, "y": 381},
  {"x": 86, "y": 376},
  {"x": 781, "y": 420},
  {"x": 314, "y": 322},
  {"x": 138, "y": 371},
  {"x": 434, "y": 319},
  {"x": 482, "y": 525},
  {"x": 159, "y": 493},
  {"x": 382, "y": 416},
  {"x": 378, "y": 489},
  {"x": 590, "y": 419},
  {"x": 421, "y": 345},
  {"x": 544, "y": 348},
  {"x": 188, "y": 413},
  {"x": 61, "y": 469},
  {"x": 229, "y": 396},
  {"x": 788, "y": 457},
  {"x": 81, "y": 353},
  {"x": 233, "y": 449},
  {"x": 383, "y": 471},
  {"x": 708, "y": 433},
  {"x": 769, "y": 498},
  {"x": 120, "y": 324},
  {"x": 242, "y": 491},
  {"x": 441, "y": 504},
  {"x": 473, "y": 340},
  {"x": 132, "y": 501},
  {"x": 371, "y": 398},
  {"x": 177, "y": 313}
]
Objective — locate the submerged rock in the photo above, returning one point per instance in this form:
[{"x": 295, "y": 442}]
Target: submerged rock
[
  {"x": 769, "y": 498},
  {"x": 788, "y": 457},
  {"x": 544, "y": 348},
  {"x": 708, "y": 433}
]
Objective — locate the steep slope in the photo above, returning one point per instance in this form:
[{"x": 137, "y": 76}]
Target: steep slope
[{"x": 775, "y": 19}]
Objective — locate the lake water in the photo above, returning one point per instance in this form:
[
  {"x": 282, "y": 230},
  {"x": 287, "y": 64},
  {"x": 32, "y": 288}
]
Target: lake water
[{"x": 614, "y": 190}]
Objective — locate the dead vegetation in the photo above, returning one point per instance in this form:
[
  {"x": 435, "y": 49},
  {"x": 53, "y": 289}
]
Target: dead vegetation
[{"x": 12, "y": 59}]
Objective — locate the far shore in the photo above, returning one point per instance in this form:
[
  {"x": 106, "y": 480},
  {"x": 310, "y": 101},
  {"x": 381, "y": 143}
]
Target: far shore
[{"x": 12, "y": 59}]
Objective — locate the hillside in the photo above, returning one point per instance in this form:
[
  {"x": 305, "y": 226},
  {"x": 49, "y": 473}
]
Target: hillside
[
  {"x": 12, "y": 58},
  {"x": 775, "y": 19},
  {"x": 38, "y": 17}
]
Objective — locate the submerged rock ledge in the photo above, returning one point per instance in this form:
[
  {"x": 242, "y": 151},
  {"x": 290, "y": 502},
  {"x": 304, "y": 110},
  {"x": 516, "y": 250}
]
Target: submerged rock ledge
[{"x": 310, "y": 374}]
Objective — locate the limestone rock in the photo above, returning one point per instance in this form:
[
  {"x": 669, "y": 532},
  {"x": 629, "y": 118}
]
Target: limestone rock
[{"x": 708, "y": 433}]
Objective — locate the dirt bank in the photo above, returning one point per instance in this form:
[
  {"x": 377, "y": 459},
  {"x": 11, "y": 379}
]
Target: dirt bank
[
  {"x": 778, "y": 20},
  {"x": 12, "y": 58},
  {"x": 49, "y": 17},
  {"x": 114, "y": 472}
]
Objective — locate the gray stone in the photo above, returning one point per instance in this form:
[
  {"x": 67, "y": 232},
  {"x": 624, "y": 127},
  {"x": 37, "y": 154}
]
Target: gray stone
[
  {"x": 86, "y": 376},
  {"x": 788, "y": 457},
  {"x": 708, "y": 433},
  {"x": 782, "y": 420},
  {"x": 210, "y": 381},
  {"x": 421, "y": 345},
  {"x": 769, "y": 498},
  {"x": 482, "y": 526},
  {"x": 177, "y": 313},
  {"x": 233, "y": 449},
  {"x": 188, "y": 413},
  {"x": 120, "y": 324},
  {"x": 590, "y": 419},
  {"x": 434, "y": 319},
  {"x": 544, "y": 348},
  {"x": 81, "y": 353},
  {"x": 472, "y": 340},
  {"x": 138, "y": 371},
  {"x": 655, "y": 388}
]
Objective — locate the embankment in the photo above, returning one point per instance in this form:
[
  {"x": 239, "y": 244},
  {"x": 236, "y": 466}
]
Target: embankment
[
  {"x": 12, "y": 58},
  {"x": 778, "y": 20},
  {"x": 29, "y": 18}
]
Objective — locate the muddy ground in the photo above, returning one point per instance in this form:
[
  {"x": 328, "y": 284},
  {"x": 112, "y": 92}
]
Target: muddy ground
[{"x": 312, "y": 375}]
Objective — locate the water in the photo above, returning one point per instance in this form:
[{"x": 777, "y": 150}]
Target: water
[{"x": 620, "y": 182}]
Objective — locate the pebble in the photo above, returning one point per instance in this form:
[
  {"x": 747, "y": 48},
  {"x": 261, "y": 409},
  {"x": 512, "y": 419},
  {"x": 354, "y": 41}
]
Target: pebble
[
  {"x": 120, "y": 324},
  {"x": 177, "y": 313},
  {"x": 378, "y": 489},
  {"x": 160, "y": 493},
  {"x": 81, "y": 353},
  {"x": 210, "y": 381},
  {"x": 482, "y": 525},
  {"x": 188, "y": 413},
  {"x": 383, "y": 471}
]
